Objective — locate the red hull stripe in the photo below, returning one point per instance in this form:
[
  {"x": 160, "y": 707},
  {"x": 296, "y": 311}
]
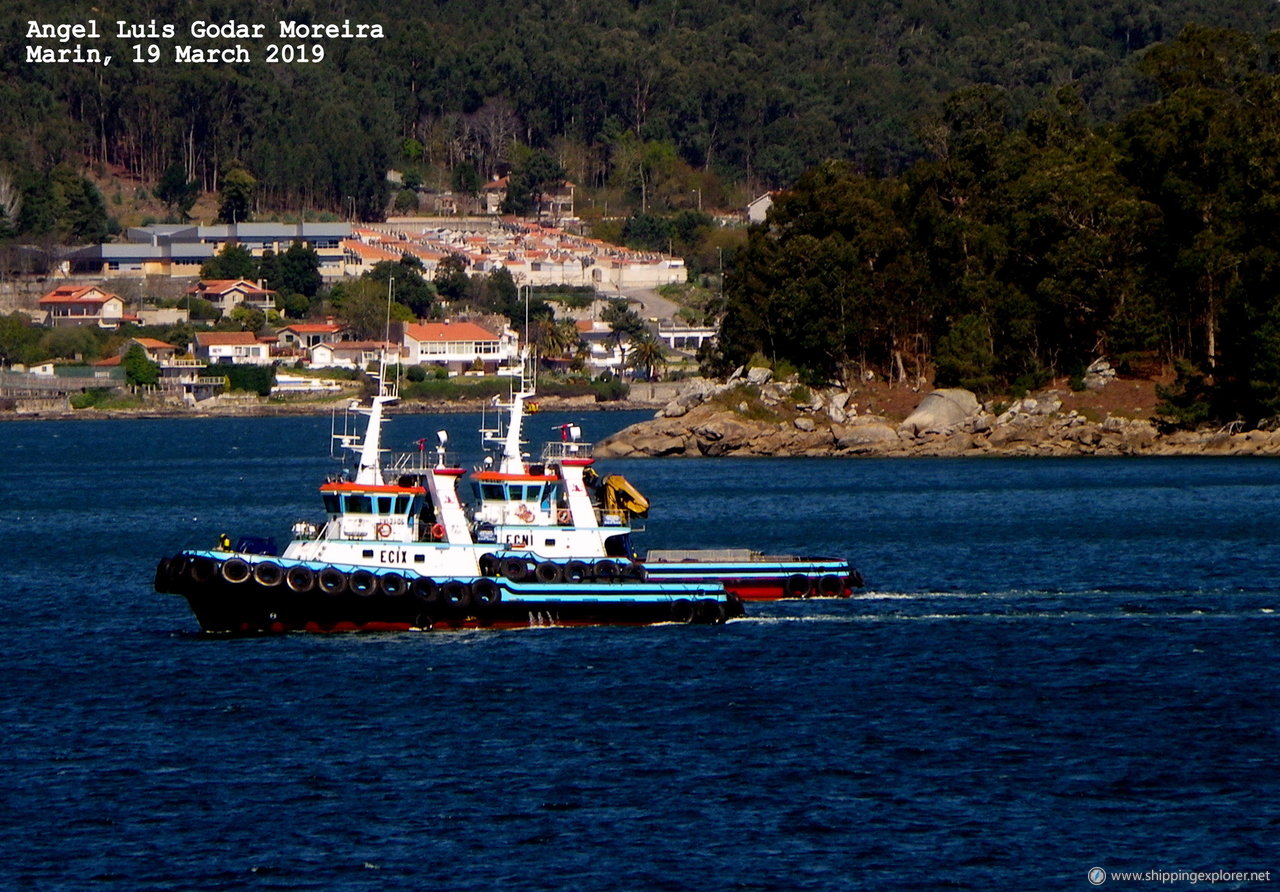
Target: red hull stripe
[{"x": 369, "y": 487}]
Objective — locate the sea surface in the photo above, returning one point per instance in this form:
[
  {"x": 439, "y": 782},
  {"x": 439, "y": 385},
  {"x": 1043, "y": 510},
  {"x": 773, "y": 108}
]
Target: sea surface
[{"x": 1057, "y": 665}]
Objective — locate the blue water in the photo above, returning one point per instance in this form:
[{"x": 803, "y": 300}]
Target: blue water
[{"x": 1058, "y": 665}]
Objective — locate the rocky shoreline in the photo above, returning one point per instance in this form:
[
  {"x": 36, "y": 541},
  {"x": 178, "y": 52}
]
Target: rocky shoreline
[{"x": 753, "y": 416}]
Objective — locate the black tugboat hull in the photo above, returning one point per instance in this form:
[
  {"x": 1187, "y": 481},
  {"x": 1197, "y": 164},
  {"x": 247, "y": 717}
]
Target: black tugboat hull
[{"x": 281, "y": 596}]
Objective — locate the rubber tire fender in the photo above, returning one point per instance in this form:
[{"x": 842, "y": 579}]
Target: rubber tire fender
[
  {"x": 485, "y": 593},
  {"x": 489, "y": 564},
  {"x": 363, "y": 583},
  {"x": 710, "y": 612},
  {"x": 797, "y": 586},
  {"x": 236, "y": 570},
  {"x": 576, "y": 571},
  {"x": 549, "y": 571},
  {"x": 425, "y": 590},
  {"x": 268, "y": 574},
  {"x": 300, "y": 579},
  {"x": 515, "y": 569},
  {"x": 393, "y": 585},
  {"x": 605, "y": 569},
  {"x": 162, "y": 575},
  {"x": 830, "y": 586},
  {"x": 682, "y": 610},
  {"x": 456, "y": 594},
  {"x": 332, "y": 581}
]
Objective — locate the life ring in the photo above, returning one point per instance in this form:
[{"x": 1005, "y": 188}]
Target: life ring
[
  {"x": 485, "y": 593},
  {"x": 382, "y": 530},
  {"x": 363, "y": 583},
  {"x": 300, "y": 579},
  {"x": 332, "y": 581},
  {"x": 234, "y": 570},
  {"x": 797, "y": 586},
  {"x": 437, "y": 532},
  {"x": 524, "y": 513},
  {"x": 563, "y": 517},
  {"x": 393, "y": 585},
  {"x": 268, "y": 573}
]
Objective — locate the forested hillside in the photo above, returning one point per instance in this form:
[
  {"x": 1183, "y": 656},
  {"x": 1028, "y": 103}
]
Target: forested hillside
[
  {"x": 636, "y": 95},
  {"x": 1015, "y": 252}
]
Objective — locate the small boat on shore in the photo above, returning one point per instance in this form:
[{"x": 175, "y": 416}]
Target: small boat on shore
[{"x": 396, "y": 552}]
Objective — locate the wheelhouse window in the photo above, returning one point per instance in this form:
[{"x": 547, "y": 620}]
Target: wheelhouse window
[{"x": 359, "y": 504}]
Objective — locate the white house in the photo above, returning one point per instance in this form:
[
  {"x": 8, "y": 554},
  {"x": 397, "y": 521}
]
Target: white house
[
  {"x": 459, "y": 346},
  {"x": 354, "y": 354},
  {"x": 240, "y": 347},
  {"x": 88, "y": 305}
]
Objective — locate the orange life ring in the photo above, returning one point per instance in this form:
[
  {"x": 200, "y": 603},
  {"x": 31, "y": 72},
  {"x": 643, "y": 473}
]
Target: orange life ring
[
  {"x": 437, "y": 531},
  {"x": 563, "y": 516},
  {"x": 382, "y": 530}
]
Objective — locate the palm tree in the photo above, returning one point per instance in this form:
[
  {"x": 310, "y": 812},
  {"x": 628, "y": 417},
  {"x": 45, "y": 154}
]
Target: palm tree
[{"x": 647, "y": 354}]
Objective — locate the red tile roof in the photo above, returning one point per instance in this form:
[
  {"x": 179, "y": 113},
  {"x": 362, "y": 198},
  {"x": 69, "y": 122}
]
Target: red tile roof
[
  {"x": 225, "y": 338},
  {"x": 85, "y": 294},
  {"x": 449, "y": 331}
]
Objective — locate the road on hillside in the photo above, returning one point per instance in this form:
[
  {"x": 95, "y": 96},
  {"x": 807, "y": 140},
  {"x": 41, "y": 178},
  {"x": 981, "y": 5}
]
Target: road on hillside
[{"x": 652, "y": 304}]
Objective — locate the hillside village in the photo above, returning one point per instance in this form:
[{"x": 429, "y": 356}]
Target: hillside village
[{"x": 151, "y": 278}]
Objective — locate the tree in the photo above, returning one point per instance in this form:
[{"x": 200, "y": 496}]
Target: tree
[
  {"x": 647, "y": 355},
  {"x": 177, "y": 192},
  {"x": 451, "y": 277},
  {"x": 410, "y": 289},
  {"x": 298, "y": 271},
  {"x": 528, "y": 184},
  {"x": 362, "y": 307},
  {"x": 232, "y": 262},
  {"x": 138, "y": 369},
  {"x": 238, "y": 186}
]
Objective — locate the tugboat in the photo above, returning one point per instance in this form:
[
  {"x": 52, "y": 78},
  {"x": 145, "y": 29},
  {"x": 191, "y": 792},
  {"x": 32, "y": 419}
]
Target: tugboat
[
  {"x": 396, "y": 552},
  {"x": 560, "y": 516}
]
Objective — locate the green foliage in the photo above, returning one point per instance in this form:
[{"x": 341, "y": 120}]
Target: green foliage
[
  {"x": 406, "y": 202},
  {"x": 965, "y": 358},
  {"x": 238, "y": 186},
  {"x": 175, "y": 190},
  {"x": 540, "y": 173},
  {"x": 416, "y": 374},
  {"x": 232, "y": 262},
  {"x": 138, "y": 370},
  {"x": 1188, "y": 403},
  {"x": 451, "y": 277},
  {"x": 246, "y": 378}
]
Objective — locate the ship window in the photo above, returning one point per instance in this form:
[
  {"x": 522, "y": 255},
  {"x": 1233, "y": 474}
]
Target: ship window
[
  {"x": 533, "y": 493},
  {"x": 368, "y": 552},
  {"x": 330, "y": 503},
  {"x": 491, "y": 490},
  {"x": 419, "y": 558},
  {"x": 359, "y": 505},
  {"x": 385, "y": 504}
]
